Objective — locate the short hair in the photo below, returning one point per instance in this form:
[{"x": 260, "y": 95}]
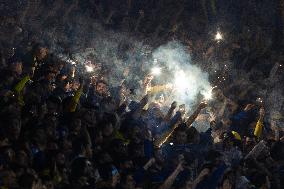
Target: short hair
[
  {"x": 37, "y": 46},
  {"x": 101, "y": 81}
]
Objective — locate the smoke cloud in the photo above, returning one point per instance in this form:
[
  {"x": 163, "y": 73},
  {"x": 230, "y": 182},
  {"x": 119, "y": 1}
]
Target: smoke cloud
[{"x": 188, "y": 80}]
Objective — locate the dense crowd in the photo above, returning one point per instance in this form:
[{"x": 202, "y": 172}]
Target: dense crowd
[
  {"x": 62, "y": 130},
  {"x": 62, "y": 126}
]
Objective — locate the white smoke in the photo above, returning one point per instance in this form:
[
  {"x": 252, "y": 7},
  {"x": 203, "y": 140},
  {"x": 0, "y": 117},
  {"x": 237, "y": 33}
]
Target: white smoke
[{"x": 188, "y": 80}]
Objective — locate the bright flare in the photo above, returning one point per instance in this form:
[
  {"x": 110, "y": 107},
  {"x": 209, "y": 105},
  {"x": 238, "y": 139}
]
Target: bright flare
[
  {"x": 208, "y": 95},
  {"x": 156, "y": 71},
  {"x": 218, "y": 36},
  {"x": 180, "y": 80}
]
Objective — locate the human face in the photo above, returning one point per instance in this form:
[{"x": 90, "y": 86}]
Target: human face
[
  {"x": 157, "y": 113},
  {"x": 50, "y": 77},
  {"x": 18, "y": 68},
  {"x": 181, "y": 137},
  {"x": 67, "y": 86},
  {"x": 101, "y": 88},
  {"x": 41, "y": 53}
]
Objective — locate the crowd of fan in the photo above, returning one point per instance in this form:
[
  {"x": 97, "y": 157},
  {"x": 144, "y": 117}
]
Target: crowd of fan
[{"x": 59, "y": 130}]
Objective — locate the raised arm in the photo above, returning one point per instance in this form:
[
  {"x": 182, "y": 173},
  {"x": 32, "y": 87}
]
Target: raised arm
[
  {"x": 200, "y": 177},
  {"x": 170, "y": 180},
  {"x": 171, "y": 111},
  {"x": 192, "y": 118},
  {"x": 166, "y": 135},
  {"x": 142, "y": 104}
]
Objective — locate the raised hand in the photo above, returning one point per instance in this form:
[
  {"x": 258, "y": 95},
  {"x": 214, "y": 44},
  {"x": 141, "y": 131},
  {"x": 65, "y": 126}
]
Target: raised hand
[
  {"x": 249, "y": 107},
  {"x": 174, "y": 105}
]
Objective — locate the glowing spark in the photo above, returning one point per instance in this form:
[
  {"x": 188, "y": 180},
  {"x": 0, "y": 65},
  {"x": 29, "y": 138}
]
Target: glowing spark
[
  {"x": 259, "y": 100},
  {"x": 156, "y": 71},
  {"x": 171, "y": 143},
  {"x": 218, "y": 36},
  {"x": 89, "y": 68}
]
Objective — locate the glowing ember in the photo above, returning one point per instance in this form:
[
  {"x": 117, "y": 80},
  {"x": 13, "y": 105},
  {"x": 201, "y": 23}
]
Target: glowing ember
[{"x": 218, "y": 36}]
